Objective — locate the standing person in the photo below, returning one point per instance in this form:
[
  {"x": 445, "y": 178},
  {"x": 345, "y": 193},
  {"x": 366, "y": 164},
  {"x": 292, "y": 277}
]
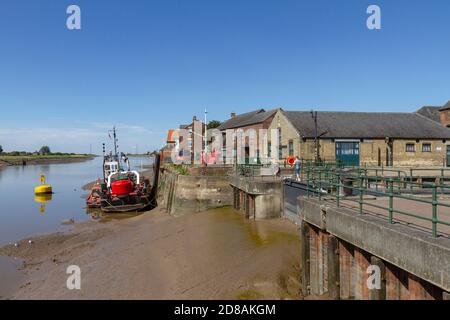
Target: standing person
[
  {"x": 275, "y": 167},
  {"x": 297, "y": 164}
]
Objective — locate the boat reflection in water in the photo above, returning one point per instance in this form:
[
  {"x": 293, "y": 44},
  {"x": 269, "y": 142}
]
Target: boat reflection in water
[
  {"x": 99, "y": 215},
  {"x": 43, "y": 199}
]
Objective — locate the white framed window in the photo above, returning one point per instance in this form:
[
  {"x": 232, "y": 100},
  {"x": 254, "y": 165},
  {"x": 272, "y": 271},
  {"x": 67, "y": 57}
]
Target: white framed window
[
  {"x": 410, "y": 147},
  {"x": 426, "y": 147}
]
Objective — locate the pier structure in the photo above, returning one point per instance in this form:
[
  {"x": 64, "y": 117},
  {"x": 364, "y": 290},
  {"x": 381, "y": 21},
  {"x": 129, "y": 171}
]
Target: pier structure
[
  {"x": 371, "y": 237},
  {"x": 363, "y": 235}
]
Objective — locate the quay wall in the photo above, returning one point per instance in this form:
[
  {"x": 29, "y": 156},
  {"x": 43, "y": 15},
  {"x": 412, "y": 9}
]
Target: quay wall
[
  {"x": 257, "y": 199},
  {"x": 338, "y": 246},
  {"x": 183, "y": 194}
]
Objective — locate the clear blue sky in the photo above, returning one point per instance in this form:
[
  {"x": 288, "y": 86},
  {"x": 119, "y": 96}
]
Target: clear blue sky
[{"x": 148, "y": 65}]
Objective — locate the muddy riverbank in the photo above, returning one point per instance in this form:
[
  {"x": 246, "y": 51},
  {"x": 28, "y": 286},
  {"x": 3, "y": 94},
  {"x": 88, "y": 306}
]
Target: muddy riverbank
[{"x": 210, "y": 255}]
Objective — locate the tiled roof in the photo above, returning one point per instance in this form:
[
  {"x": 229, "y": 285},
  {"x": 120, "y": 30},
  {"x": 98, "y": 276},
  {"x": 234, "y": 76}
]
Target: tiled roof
[
  {"x": 170, "y": 136},
  {"x": 247, "y": 119},
  {"x": 367, "y": 125},
  {"x": 446, "y": 106},
  {"x": 430, "y": 112}
]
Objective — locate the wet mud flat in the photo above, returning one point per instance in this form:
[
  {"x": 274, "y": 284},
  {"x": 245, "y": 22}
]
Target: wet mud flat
[
  {"x": 215, "y": 254},
  {"x": 11, "y": 274}
]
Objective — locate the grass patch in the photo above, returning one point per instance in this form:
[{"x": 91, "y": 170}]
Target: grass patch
[{"x": 179, "y": 168}]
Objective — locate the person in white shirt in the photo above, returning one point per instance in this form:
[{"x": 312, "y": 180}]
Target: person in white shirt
[{"x": 297, "y": 164}]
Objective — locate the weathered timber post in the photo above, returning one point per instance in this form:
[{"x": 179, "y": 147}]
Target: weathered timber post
[
  {"x": 379, "y": 294},
  {"x": 333, "y": 268},
  {"x": 346, "y": 273},
  {"x": 362, "y": 262},
  {"x": 420, "y": 289},
  {"x": 304, "y": 258},
  {"x": 314, "y": 261}
]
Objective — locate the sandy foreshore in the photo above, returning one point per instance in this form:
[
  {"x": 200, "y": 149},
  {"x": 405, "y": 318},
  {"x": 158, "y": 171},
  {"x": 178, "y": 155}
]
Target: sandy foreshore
[{"x": 211, "y": 255}]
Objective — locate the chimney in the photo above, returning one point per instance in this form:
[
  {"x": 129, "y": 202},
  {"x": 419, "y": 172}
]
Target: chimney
[
  {"x": 444, "y": 115},
  {"x": 233, "y": 114}
]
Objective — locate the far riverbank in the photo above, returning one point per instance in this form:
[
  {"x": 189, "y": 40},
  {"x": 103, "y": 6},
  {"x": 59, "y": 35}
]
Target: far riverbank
[{"x": 50, "y": 159}]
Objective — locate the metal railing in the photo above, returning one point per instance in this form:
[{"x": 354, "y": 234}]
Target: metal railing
[
  {"x": 270, "y": 169},
  {"x": 341, "y": 184}
]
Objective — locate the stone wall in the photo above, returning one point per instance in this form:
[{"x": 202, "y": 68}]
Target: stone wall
[
  {"x": 288, "y": 132},
  {"x": 418, "y": 158},
  {"x": 373, "y": 152}
]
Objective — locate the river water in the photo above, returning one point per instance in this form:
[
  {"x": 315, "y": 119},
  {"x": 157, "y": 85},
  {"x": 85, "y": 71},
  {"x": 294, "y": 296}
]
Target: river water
[{"x": 22, "y": 214}]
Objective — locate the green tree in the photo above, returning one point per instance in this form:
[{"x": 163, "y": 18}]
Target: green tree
[
  {"x": 213, "y": 124},
  {"x": 44, "y": 150},
  {"x": 1, "y": 149}
]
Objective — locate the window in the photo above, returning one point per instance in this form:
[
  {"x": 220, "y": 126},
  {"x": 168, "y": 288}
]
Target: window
[
  {"x": 269, "y": 152},
  {"x": 291, "y": 148},
  {"x": 410, "y": 147},
  {"x": 426, "y": 147}
]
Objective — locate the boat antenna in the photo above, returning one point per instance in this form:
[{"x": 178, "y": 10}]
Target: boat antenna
[
  {"x": 115, "y": 140},
  {"x": 103, "y": 145}
]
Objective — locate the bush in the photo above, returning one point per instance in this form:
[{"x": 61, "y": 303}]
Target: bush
[
  {"x": 213, "y": 124},
  {"x": 180, "y": 169},
  {"x": 44, "y": 150}
]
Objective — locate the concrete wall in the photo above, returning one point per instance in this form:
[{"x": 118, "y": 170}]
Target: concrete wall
[
  {"x": 267, "y": 206},
  {"x": 211, "y": 170},
  {"x": 181, "y": 194},
  {"x": 257, "y": 199}
]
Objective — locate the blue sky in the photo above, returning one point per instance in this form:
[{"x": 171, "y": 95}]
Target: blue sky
[{"x": 147, "y": 66}]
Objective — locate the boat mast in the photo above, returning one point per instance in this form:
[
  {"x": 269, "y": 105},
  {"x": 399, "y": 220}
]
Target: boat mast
[
  {"x": 115, "y": 141},
  {"x": 103, "y": 169}
]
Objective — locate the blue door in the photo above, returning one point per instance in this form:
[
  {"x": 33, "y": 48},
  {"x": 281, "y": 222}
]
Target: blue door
[{"x": 347, "y": 153}]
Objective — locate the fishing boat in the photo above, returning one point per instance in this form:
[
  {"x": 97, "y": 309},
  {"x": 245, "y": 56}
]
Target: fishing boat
[{"x": 122, "y": 190}]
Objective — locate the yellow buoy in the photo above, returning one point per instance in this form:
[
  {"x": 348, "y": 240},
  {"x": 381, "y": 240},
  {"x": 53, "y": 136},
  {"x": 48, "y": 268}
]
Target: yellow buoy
[
  {"x": 43, "y": 188},
  {"x": 42, "y": 199}
]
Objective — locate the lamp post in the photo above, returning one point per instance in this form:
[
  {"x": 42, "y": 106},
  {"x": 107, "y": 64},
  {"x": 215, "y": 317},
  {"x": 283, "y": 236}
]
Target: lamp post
[
  {"x": 316, "y": 137},
  {"x": 206, "y": 140},
  {"x": 316, "y": 147}
]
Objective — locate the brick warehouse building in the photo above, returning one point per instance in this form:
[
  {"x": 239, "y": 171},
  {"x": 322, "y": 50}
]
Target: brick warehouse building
[{"x": 359, "y": 138}]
